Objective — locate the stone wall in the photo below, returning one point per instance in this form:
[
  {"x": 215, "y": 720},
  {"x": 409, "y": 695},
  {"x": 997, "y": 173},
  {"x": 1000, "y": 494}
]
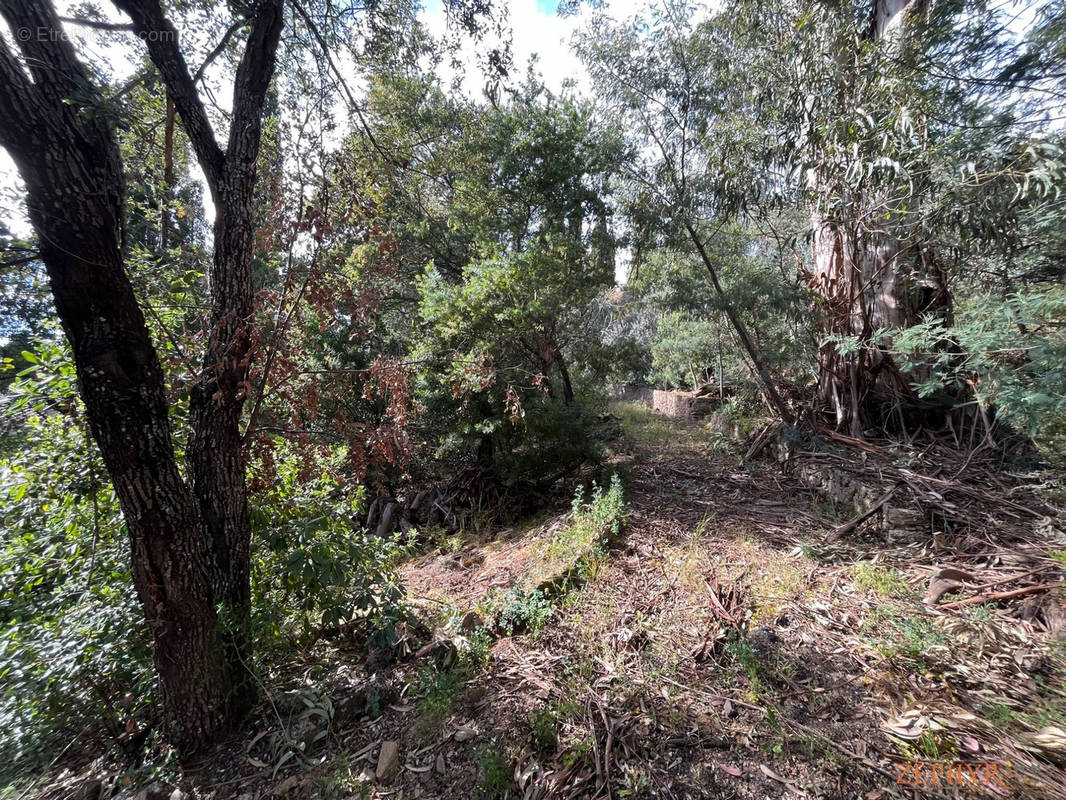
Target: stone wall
[{"x": 669, "y": 403}]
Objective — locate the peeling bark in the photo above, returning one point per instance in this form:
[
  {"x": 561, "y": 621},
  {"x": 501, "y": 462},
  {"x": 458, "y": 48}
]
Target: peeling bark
[{"x": 867, "y": 277}]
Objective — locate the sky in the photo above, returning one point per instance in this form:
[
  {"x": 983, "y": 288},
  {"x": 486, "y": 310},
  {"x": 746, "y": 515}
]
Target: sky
[{"x": 538, "y": 31}]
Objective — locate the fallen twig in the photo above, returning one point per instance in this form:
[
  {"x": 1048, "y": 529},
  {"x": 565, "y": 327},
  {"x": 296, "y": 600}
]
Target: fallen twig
[
  {"x": 985, "y": 598},
  {"x": 853, "y": 523}
]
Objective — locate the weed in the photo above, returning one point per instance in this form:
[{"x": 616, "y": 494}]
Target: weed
[
  {"x": 998, "y": 714},
  {"x": 885, "y": 581},
  {"x": 523, "y": 611},
  {"x": 745, "y": 656},
  {"x": 634, "y": 784},
  {"x": 479, "y": 649},
  {"x": 580, "y": 752},
  {"x": 493, "y": 772},
  {"x": 544, "y": 726},
  {"x": 911, "y": 637},
  {"x": 441, "y": 690}
]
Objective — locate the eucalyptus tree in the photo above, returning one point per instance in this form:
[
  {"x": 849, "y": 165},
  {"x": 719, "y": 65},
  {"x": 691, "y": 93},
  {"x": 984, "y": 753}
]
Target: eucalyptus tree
[
  {"x": 908, "y": 132},
  {"x": 668, "y": 80}
]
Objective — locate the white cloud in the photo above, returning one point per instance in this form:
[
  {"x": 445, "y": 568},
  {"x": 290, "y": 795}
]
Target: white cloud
[{"x": 537, "y": 32}]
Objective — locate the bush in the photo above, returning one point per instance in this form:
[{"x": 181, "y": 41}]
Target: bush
[
  {"x": 75, "y": 662},
  {"x": 313, "y": 567}
]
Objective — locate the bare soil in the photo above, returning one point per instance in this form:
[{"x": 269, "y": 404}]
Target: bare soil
[{"x": 727, "y": 645}]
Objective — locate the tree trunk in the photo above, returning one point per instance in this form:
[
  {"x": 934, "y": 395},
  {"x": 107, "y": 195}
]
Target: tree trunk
[
  {"x": 564, "y": 373},
  {"x": 70, "y": 163},
  {"x": 867, "y": 277},
  {"x": 190, "y": 544},
  {"x": 759, "y": 366}
]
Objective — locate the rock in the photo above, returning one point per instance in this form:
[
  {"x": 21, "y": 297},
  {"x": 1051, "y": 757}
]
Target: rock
[
  {"x": 388, "y": 761},
  {"x": 350, "y": 705},
  {"x": 90, "y": 790},
  {"x": 464, "y": 735},
  {"x": 470, "y": 622}
]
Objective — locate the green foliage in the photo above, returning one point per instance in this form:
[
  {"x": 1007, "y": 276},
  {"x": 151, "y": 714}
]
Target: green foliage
[
  {"x": 683, "y": 350},
  {"x": 493, "y": 772},
  {"x": 313, "y": 568},
  {"x": 544, "y": 726},
  {"x": 509, "y": 338},
  {"x": 884, "y": 581},
  {"x": 76, "y": 666},
  {"x": 522, "y": 611},
  {"x": 1008, "y": 352},
  {"x": 605, "y": 511}
]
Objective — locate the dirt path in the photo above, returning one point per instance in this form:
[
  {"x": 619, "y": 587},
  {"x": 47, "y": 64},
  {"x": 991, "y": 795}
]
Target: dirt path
[
  {"x": 722, "y": 645},
  {"x": 718, "y": 651}
]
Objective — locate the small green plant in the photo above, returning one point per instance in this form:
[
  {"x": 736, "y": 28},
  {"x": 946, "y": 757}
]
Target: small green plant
[
  {"x": 341, "y": 781},
  {"x": 441, "y": 693},
  {"x": 312, "y": 569},
  {"x": 998, "y": 714},
  {"x": 884, "y": 581},
  {"x": 580, "y": 752},
  {"x": 544, "y": 727},
  {"x": 493, "y": 772},
  {"x": 523, "y": 611},
  {"x": 744, "y": 655},
  {"x": 479, "y": 649}
]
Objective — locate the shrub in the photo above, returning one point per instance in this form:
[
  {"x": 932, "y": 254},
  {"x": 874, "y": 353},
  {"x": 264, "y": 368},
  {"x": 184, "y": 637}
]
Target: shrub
[{"x": 313, "y": 567}]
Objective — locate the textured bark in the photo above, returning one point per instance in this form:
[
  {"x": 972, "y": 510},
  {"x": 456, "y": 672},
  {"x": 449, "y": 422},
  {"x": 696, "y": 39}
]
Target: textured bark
[
  {"x": 869, "y": 276},
  {"x": 190, "y": 542},
  {"x": 70, "y": 163},
  {"x": 865, "y": 281}
]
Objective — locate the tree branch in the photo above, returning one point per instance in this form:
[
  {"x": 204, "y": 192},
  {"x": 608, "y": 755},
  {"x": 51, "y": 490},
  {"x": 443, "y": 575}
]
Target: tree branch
[
  {"x": 236, "y": 26},
  {"x": 165, "y": 52},
  {"x": 252, "y": 80}
]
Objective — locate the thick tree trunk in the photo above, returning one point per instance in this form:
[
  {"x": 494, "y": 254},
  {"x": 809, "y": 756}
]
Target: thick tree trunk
[
  {"x": 869, "y": 276},
  {"x": 70, "y": 163},
  {"x": 190, "y": 544},
  {"x": 215, "y": 452},
  {"x": 867, "y": 281}
]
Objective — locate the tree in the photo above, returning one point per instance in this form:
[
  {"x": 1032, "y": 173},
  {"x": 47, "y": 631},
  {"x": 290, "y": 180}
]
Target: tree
[
  {"x": 190, "y": 538},
  {"x": 513, "y": 324},
  {"x": 667, "y": 78},
  {"x": 903, "y": 128}
]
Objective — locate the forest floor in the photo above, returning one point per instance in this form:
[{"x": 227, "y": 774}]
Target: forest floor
[{"x": 723, "y": 645}]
